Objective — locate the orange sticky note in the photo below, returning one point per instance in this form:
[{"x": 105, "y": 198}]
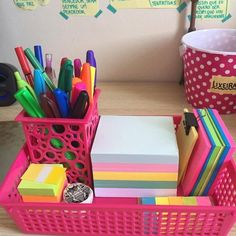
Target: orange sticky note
[{"x": 175, "y": 201}]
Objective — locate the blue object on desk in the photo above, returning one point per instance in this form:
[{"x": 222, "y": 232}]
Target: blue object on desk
[{"x": 62, "y": 102}]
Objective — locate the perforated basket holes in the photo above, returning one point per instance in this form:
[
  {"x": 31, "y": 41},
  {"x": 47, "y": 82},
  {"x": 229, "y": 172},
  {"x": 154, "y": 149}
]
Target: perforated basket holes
[{"x": 225, "y": 191}]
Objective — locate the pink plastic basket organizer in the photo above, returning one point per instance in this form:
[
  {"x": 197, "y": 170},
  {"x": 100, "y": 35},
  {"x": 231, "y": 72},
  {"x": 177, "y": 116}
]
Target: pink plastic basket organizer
[
  {"x": 210, "y": 69},
  {"x": 66, "y": 141},
  {"x": 120, "y": 216}
]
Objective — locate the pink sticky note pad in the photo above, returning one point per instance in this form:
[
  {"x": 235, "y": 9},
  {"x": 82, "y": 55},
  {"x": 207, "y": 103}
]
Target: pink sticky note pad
[
  {"x": 204, "y": 201},
  {"x": 197, "y": 159}
]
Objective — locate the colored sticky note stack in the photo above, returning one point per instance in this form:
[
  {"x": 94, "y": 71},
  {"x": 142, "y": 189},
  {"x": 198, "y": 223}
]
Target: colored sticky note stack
[
  {"x": 43, "y": 183},
  {"x": 135, "y": 156},
  {"x": 176, "y": 201},
  {"x": 214, "y": 146}
]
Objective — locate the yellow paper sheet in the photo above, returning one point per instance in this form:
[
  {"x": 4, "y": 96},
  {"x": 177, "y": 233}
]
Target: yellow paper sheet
[
  {"x": 83, "y": 8},
  {"x": 212, "y": 9},
  {"x": 119, "y": 4},
  {"x": 30, "y": 4},
  {"x": 138, "y": 176}
]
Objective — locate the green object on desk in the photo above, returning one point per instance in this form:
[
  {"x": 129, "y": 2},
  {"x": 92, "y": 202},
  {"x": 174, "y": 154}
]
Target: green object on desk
[{"x": 35, "y": 63}]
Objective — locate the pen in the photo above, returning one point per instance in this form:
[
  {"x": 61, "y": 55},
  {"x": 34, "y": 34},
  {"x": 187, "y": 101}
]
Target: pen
[
  {"x": 81, "y": 106},
  {"x": 38, "y": 54},
  {"x": 90, "y": 58},
  {"x": 24, "y": 65},
  {"x": 86, "y": 78},
  {"x": 77, "y": 67},
  {"x": 23, "y": 84},
  {"x": 49, "y": 106},
  {"x": 39, "y": 83},
  {"x": 62, "y": 102},
  {"x": 35, "y": 63},
  {"x": 77, "y": 88},
  {"x": 48, "y": 69},
  {"x": 28, "y": 102},
  {"x": 65, "y": 76}
]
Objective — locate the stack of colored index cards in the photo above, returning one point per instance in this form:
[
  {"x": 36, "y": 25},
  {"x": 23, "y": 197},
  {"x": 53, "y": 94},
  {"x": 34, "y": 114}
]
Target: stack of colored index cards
[
  {"x": 43, "y": 183},
  {"x": 135, "y": 156}
]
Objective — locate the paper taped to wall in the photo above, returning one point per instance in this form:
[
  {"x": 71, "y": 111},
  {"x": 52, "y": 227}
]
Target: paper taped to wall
[
  {"x": 121, "y": 4},
  {"x": 30, "y": 4},
  {"x": 80, "y": 8},
  {"x": 212, "y": 9}
]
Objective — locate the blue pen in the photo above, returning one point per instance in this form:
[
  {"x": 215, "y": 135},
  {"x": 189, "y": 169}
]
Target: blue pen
[
  {"x": 39, "y": 83},
  {"x": 39, "y": 54},
  {"x": 62, "y": 102}
]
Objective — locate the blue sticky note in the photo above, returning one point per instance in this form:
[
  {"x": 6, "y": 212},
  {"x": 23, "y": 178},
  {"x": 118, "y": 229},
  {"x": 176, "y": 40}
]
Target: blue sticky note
[{"x": 148, "y": 201}]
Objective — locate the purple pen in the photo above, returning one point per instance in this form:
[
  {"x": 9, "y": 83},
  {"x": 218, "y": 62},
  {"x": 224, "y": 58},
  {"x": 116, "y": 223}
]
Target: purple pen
[
  {"x": 77, "y": 67},
  {"x": 48, "y": 69}
]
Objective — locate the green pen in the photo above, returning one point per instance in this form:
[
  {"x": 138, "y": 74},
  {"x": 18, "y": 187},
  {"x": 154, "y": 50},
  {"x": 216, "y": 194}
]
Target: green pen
[
  {"x": 35, "y": 63},
  {"x": 28, "y": 102},
  {"x": 65, "y": 76},
  {"x": 23, "y": 84}
]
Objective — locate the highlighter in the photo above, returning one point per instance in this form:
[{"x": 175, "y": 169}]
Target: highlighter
[
  {"x": 28, "y": 102},
  {"x": 35, "y": 63},
  {"x": 77, "y": 89},
  {"x": 23, "y": 84},
  {"x": 86, "y": 78},
  {"x": 93, "y": 67}
]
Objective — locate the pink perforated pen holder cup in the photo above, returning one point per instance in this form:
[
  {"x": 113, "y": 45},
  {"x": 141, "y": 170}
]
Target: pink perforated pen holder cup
[{"x": 66, "y": 141}]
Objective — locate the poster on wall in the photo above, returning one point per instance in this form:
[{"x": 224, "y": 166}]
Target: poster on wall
[
  {"x": 121, "y": 4},
  {"x": 30, "y": 4},
  {"x": 80, "y": 7},
  {"x": 212, "y": 9}
]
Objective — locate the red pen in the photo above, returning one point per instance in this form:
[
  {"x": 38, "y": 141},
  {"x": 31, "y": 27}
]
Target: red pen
[{"x": 24, "y": 65}]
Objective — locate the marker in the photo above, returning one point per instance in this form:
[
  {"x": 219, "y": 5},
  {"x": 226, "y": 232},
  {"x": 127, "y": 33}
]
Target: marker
[
  {"x": 23, "y": 84},
  {"x": 38, "y": 54},
  {"x": 63, "y": 60},
  {"x": 77, "y": 89},
  {"x": 81, "y": 106},
  {"x": 62, "y": 102},
  {"x": 49, "y": 106},
  {"x": 86, "y": 78},
  {"x": 24, "y": 65},
  {"x": 35, "y": 63},
  {"x": 77, "y": 67},
  {"x": 39, "y": 83},
  {"x": 65, "y": 77},
  {"x": 28, "y": 102},
  {"x": 92, "y": 61}
]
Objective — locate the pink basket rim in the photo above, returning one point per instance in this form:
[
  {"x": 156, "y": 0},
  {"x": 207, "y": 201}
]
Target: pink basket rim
[{"x": 22, "y": 116}]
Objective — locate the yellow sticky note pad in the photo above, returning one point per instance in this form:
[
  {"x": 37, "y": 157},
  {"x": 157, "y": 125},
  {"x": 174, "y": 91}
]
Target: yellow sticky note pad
[
  {"x": 162, "y": 201},
  {"x": 175, "y": 201},
  {"x": 42, "y": 180}
]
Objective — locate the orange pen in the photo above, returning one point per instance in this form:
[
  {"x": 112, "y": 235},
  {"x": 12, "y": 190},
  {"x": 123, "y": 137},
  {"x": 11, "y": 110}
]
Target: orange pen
[{"x": 86, "y": 78}]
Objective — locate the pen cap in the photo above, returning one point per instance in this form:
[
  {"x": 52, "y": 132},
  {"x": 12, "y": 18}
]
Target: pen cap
[
  {"x": 39, "y": 83},
  {"x": 38, "y": 54},
  {"x": 49, "y": 106},
  {"x": 63, "y": 60},
  {"x": 68, "y": 78},
  {"x": 28, "y": 102},
  {"x": 86, "y": 78},
  {"x": 78, "y": 87},
  {"x": 22, "y": 60},
  {"x": 62, "y": 102},
  {"x": 23, "y": 84},
  {"x": 77, "y": 67},
  {"x": 90, "y": 58}
]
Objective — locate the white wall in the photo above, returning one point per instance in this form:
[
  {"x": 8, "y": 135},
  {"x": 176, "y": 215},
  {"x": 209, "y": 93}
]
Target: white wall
[{"x": 129, "y": 45}]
